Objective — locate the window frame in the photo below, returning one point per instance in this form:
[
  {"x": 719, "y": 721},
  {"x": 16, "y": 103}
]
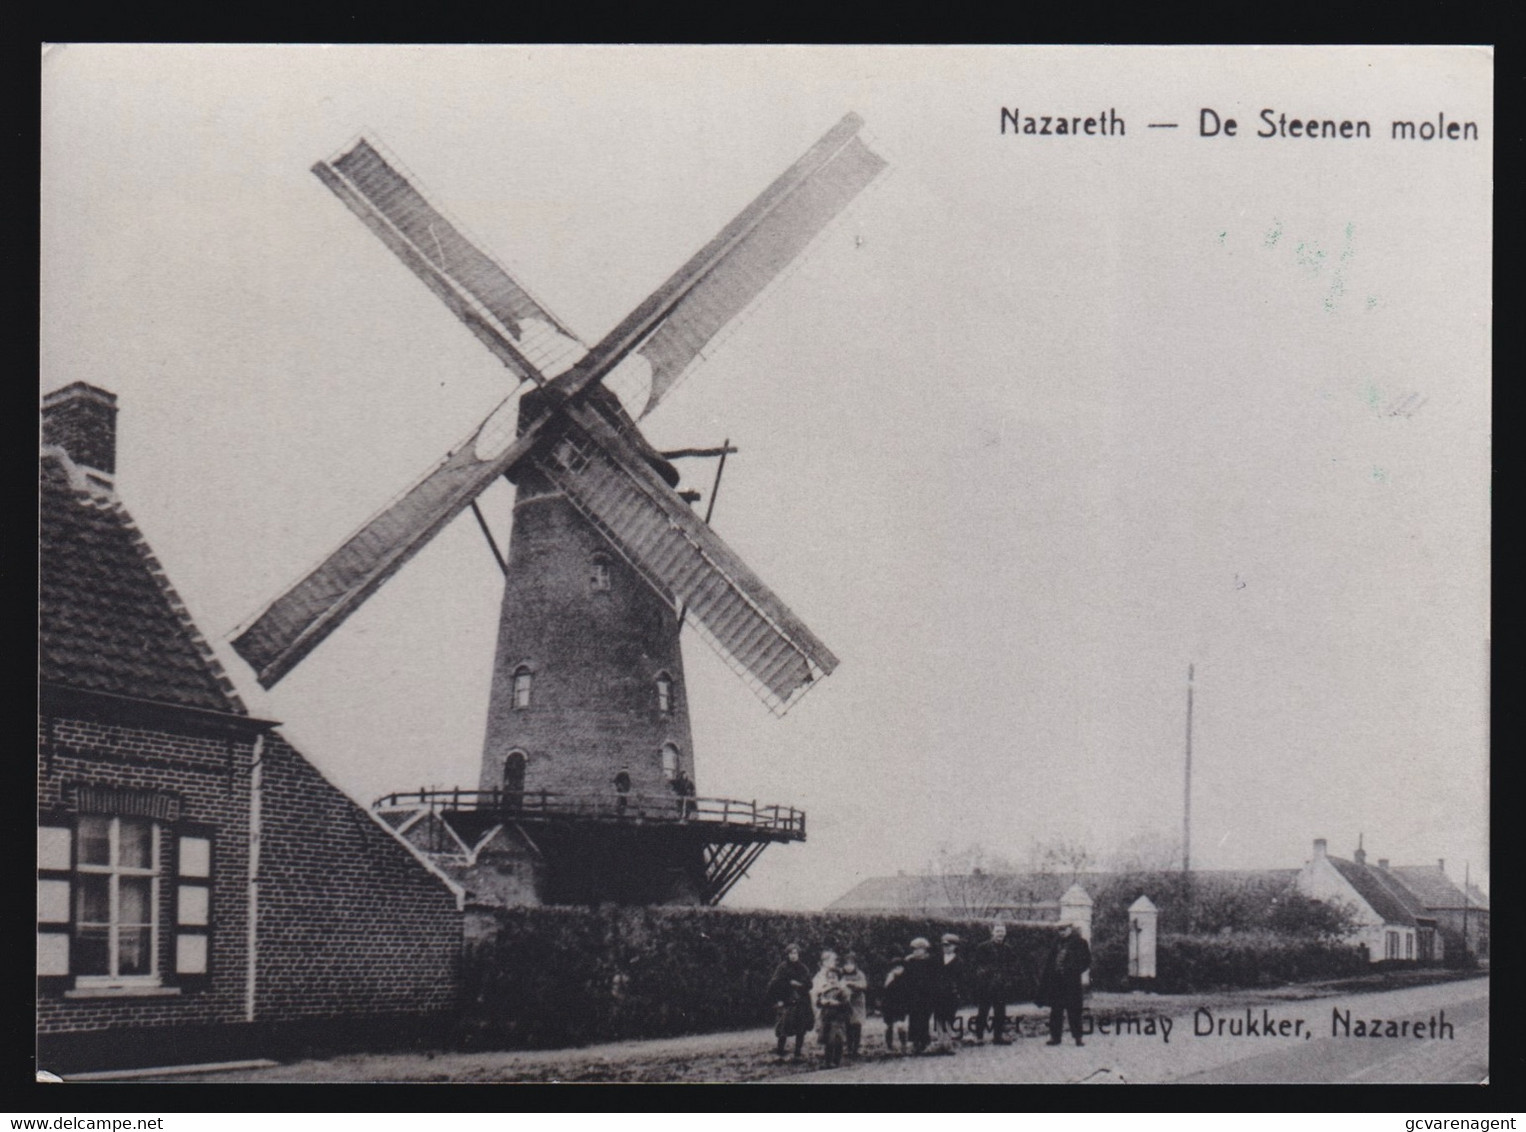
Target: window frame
[
  {"x": 665, "y": 693},
  {"x": 522, "y": 689},
  {"x": 114, "y": 871},
  {"x": 600, "y": 576},
  {"x": 167, "y": 878},
  {"x": 671, "y": 774}
]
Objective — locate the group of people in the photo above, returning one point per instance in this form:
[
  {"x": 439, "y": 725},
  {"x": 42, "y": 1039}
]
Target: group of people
[
  {"x": 838, "y": 990},
  {"x": 921, "y": 993}
]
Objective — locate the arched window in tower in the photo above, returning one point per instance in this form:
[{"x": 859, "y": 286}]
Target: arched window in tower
[
  {"x": 598, "y": 573},
  {"x": 669, "y": 761},
  {"x": 514, "y": 777},
  {"x": 522, "y": 680},
  {"x": 664, "y": 693}
]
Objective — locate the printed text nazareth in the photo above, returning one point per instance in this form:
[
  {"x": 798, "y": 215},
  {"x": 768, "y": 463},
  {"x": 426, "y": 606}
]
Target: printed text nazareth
[{"x": 1270, "y": 123}]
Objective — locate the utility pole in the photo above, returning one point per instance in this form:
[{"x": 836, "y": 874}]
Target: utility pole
[
  {"x": 1187, "y": 808},
  {"x": 1466, "y": 875}
]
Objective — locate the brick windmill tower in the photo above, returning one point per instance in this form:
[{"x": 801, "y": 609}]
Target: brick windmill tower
[{"x": 586, "y": 792}]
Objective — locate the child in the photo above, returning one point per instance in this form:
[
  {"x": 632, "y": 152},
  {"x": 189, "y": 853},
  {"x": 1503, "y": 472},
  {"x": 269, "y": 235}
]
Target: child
[
  {"x": 856, "y": 983},
  {"x": 826, "y": 976},
  {"x": 893, "y": 1001},
  {"x": 789, "y": 991},
  {"x": 832, "y": 1001}
]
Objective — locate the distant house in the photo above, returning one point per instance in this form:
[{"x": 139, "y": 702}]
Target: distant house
[
  {"x": 1224, "y": 899},
  {"x": 202, "y": 890},
  {"x": 1461, "y": 912},
  {"x": 1011, "y": 895},
  {"x": 1392, "y": 923}
]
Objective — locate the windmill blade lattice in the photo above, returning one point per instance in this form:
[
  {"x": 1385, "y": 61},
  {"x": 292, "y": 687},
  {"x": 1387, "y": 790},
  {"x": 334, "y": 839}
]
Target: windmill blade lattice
[
  {"x": 434, "y": 248},
  {"x": 301, "y": 618},
  {"x": 748, "y": 268},
  {"x": 685, "y": 561}
]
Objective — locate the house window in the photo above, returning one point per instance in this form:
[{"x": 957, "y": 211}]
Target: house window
[
  {"x": 116, "y": 898},
  {"x": 522, "y": 681},
  {"x": 99, "y": 916},
  {"x": 1391, "y": 945},
  {"x": 598, "y": 573},
  {"x": 664, "y": 693},
  {"x": 1409, "y": 946},
  {"x": 669, "y": 761}
]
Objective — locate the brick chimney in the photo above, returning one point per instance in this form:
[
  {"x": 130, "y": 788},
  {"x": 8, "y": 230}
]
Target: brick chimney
[
  {"x": 1383, "y": 863},
  {"x": 1360, "y": 856},
  {"x": 1320, "y": 845},
  {"x": 82, "y": 420},
  {"x": 1441, "y": 864}
]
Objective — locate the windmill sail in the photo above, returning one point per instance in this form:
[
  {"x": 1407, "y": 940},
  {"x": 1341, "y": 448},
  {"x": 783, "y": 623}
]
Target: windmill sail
[
  {"x": 752, "y": 263},
  {"x": 601, "y": 472},
  {"x": 301, "y": 618},
  {"x": 720, "y": 279},
  {"x": 684, "y": 560},
  {"x": 469, "y": 281}
]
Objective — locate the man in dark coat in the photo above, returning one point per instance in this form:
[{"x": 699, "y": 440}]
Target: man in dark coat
[
  {"x": 790, "y": 993},
  {"x": 999, "y": 979},
  {"x": 920, "y": 982},
  {"x": 893, "y": 1000},
  {"x": 952, "y": 985},
  {"x": 1060, "y": 985}
]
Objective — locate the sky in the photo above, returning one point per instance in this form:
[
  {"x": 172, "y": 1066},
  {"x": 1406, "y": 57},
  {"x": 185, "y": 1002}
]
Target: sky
[{"x": 1037, "y": 424}]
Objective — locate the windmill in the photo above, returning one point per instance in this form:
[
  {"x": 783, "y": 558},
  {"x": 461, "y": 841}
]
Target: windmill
[{"x": 587, "y": 767}]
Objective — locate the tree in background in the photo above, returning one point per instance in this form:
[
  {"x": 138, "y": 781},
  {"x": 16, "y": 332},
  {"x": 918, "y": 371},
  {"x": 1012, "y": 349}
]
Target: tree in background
[
  {"x": 973, "y": 881},
  {"x": 1295, "y": 913},
  {"x": 1062, "y": 855},
  {"x": 1147, "y": 852}
]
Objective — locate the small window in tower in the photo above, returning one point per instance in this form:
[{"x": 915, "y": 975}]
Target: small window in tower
[
  {"x": 669, "y": 761},
  {"x": 522, "y": 681},
  {"x": 570, "y": 455},
  {"x": 598, "y": 573},
  {"x": 664, "y": 693}
]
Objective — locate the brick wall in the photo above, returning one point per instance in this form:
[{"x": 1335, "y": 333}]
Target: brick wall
[
  {"x": 594, "y": 654},
  {"x": 350, "y": 923},
  {"x": 210, "y": 774},
  {"x": 351, "y": 926}
]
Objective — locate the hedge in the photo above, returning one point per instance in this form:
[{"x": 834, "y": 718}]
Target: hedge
[
  {"x": 1190, "y": 963},
  {"x": 557, "y": 976}
]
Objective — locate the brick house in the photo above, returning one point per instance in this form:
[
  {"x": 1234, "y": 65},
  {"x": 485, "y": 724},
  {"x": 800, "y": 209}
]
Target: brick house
[
  {"x": 203, "y": 891},
  {"x": 1461, "y": 912}
]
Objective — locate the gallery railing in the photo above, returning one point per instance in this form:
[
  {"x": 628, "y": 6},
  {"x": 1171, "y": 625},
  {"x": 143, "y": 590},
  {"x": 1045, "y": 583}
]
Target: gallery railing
[{"x": 784, "y": 821}]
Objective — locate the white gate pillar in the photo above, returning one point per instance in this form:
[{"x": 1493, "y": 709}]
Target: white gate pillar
[{"x": 1143, "y": 924}]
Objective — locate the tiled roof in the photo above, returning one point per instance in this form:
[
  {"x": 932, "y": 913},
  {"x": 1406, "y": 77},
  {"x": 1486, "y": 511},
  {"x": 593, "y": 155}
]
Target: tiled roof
[
  {"x": 1371, "y": 888},
  {"x": 1435, "y": 889},
  {"x": 1400, "y": 891},
  {"x": 913, "y": 893},
  {"x": 109, "y": 621}
]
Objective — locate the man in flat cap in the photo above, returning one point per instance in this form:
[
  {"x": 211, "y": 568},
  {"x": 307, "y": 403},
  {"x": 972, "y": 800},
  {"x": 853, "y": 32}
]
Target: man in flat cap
[{"x": 919, "y": 983}]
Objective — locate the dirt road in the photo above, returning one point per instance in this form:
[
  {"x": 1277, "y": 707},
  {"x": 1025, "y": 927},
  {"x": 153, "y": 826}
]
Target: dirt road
[{"x": 1438, "y": 1033}]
